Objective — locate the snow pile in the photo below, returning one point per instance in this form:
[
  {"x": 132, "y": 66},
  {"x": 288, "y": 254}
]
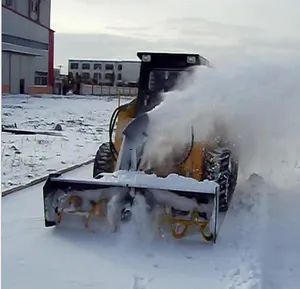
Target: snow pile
[
  {"x": 257, "y": 103},
  {"x": 172, "y": 181},
  {"x": 84, "y": 122}
]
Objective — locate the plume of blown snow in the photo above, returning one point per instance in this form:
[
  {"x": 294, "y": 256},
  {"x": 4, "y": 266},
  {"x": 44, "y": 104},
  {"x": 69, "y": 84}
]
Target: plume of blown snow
[{"x": 258, "y": 103}]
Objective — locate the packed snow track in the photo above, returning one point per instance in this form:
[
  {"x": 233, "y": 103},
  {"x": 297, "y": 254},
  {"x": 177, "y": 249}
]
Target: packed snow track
[{"x": 249, "y": 253}]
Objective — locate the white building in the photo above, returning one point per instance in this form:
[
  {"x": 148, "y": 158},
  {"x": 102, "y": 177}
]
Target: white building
[
  {"x": 101, "y": 70},
  {"x": 27, "y": 47}
]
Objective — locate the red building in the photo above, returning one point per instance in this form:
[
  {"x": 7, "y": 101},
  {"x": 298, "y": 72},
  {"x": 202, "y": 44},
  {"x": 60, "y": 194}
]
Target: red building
[{"x": 27, "y": 47}]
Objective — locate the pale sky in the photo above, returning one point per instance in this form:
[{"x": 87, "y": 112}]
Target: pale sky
[{"x": 105, "y": 29}]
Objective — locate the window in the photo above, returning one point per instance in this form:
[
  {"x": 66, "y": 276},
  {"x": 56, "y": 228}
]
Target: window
[
  {"x": 24, "y": 42},
  {"x": 108, "y": 76},
  {"x": 85, "y": 66},
  {"x": 162, "y": 80},
  {"x": 109, "y": 66},
  {"x": 40, "y": 78},
  {"x": 34, "y": 10},
  {"x": 34, "y": 7},
  {"x": 97, "y": 66},
  {"x": 74, "y": 66},
  {"x": 85, "y": 75},
  {"x": 97, "y": 76},
  {"x": 8, "y": 2},
  {"x": 119, "y": 76},
  {"x": 120, "y": 67}
]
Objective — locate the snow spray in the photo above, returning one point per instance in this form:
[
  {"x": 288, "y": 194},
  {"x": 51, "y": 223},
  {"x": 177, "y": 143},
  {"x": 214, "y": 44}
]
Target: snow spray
[{"x": 259, "y": 104}]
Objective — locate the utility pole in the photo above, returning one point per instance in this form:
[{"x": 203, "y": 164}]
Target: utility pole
[{"x": 60, "y": 80}]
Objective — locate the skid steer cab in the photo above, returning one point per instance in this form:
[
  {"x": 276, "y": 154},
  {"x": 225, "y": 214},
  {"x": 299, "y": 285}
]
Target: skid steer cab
[
  {"x": 162, "y": 72},
  {"x": 183, "y": 196}
]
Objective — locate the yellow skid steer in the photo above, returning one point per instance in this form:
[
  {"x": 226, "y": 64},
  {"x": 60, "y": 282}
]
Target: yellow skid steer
[{"x": 187, "y": 194}]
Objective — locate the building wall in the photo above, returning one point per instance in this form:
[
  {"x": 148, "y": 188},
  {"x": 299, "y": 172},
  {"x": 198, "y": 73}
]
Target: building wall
[
  {"x": 15, "y": 67},
  {"x": 45, "y": 13},
  {"x": 27, "y": 9},
  {"x": 129, "y": 71},
  {"x": 27, "y": 46},
  {"x": 5, "y": 67},
  {"x": 5, "y": 72},
  {"x": 24, "y": 26}
]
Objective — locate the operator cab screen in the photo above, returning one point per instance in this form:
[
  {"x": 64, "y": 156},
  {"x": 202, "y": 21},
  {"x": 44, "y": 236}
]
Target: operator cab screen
[{"x": 166, "y": 80}]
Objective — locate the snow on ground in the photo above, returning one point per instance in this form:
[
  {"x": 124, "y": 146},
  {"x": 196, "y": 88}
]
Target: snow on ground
[
  {"x": 80, "y": 259},
  {"x": 84, "y": 121},
  {"x": 253, "y": 250}
]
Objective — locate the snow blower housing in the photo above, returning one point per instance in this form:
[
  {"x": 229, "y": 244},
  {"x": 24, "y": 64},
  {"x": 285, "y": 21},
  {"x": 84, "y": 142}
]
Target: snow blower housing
[{"x": 189, "y": 194}]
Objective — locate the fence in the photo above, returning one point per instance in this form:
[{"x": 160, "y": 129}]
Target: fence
[{"x": 88, "y": 89}]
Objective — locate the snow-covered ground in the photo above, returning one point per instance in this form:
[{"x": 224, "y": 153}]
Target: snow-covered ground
[
  {"x": 84, "y": 121},
  {"x": 254, "y": 248}
]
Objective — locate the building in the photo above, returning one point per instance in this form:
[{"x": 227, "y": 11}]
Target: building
[
  {"x": 27, "y": 47},
  {"x": 105, "y": 72}
]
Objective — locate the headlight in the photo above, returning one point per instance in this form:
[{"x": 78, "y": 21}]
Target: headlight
[
  {"x": 146, "y": 58},
  {"x": 191, "y": 59}
]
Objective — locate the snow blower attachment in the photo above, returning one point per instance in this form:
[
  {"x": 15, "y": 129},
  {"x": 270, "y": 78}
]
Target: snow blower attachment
[
  {"x": 109, "y": 198},
  {"x": 181, "y": 196}
]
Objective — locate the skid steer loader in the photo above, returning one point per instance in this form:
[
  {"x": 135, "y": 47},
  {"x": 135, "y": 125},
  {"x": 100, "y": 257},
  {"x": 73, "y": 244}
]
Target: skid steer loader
[{"x": 188, "y": 194}]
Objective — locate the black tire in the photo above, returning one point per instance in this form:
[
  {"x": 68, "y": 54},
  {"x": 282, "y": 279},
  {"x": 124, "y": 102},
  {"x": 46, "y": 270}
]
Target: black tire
[
  {"x": 104, "y": 160},
  {"x": 221, "y": 167}
]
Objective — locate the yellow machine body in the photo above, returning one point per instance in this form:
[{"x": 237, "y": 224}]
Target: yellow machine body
[{"x": 194, "y": 165}]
